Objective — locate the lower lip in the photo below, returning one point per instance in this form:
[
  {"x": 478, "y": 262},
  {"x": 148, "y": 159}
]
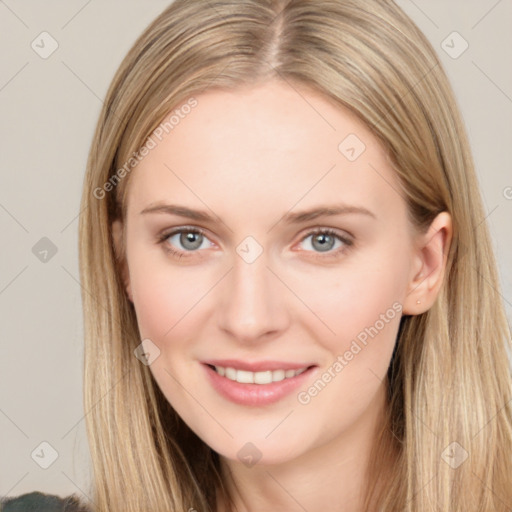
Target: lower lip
[{"x": 255, "y": 394}]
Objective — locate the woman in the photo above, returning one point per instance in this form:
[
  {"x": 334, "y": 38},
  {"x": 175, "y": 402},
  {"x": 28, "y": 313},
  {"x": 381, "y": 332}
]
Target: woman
[{"x": 290, "y": 298}]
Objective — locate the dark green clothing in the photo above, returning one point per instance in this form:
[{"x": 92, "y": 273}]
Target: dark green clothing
[{"x": 40, "y": 502}]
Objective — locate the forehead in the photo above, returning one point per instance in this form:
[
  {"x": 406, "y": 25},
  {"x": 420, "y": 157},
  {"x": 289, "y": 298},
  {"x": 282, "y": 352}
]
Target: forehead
[{"x": 268, "y": 147}]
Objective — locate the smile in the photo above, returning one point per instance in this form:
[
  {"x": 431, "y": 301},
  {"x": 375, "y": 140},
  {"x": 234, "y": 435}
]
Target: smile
[{"x": 257, "y": 384}]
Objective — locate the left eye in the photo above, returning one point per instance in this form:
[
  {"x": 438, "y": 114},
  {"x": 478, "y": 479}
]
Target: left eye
[{"x": 325, "y": 240}]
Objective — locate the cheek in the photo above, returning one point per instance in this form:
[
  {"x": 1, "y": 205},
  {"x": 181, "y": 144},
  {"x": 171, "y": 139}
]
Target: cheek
[
  {"x": 164, "y": 294},
  {"x": 359, "y": 305},
  {"x": 363, "y": 292},
  {"x": 168, "y": 300},
  {"x": 359, "y": 354}
]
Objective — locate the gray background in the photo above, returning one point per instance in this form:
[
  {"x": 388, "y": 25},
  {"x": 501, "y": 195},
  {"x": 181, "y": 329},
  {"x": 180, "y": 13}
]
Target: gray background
[{"x": 49, "y": 107}]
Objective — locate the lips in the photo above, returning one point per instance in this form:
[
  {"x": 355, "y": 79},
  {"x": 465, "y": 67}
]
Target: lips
[{"x": 256, "y": 383}]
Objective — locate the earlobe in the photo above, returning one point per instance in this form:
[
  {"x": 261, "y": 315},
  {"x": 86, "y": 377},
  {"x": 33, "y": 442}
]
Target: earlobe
[
  {"x": 430, "y": 265},
  {"x": 120, "y": 252}
]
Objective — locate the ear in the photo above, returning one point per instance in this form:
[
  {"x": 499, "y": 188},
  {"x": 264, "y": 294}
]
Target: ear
[
  {"x": 428, "y": 269},
  {"x": 120, "y": 250}
]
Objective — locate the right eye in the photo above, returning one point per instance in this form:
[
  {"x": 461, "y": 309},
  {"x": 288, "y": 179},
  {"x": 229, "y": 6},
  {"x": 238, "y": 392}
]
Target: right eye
[{"x": 186, "y": 240}]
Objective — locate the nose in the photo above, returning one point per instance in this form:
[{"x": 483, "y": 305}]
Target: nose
[{"x": 253, "y": 302}]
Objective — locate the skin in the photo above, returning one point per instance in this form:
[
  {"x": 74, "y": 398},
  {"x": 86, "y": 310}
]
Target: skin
[{"x": 249, "y": 157}]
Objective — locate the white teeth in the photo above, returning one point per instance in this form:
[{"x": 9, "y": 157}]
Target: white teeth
[
  {"x": 266, "y": 377},
  {"x": 278, "y": 375},
  {"x": 262, "y": 377},
  {"x": 230, "y": 373},
  {"x": 244, "y": 377}
]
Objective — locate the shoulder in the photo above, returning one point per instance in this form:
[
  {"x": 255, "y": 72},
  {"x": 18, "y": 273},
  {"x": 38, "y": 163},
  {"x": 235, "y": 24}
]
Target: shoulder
[{"x": 40, "y": 502}]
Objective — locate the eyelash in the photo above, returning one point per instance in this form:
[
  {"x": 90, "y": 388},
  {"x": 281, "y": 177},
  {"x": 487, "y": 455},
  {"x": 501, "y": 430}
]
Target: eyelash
[{"x": 162, "y": 239}]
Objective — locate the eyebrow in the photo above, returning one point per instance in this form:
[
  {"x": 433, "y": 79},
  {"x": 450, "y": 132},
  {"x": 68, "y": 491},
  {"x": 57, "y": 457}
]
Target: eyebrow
[{"x": 290, "y": 217}]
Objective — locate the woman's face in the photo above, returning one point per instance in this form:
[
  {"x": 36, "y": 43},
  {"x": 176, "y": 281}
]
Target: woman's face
[{"x": 263, "y": 172}]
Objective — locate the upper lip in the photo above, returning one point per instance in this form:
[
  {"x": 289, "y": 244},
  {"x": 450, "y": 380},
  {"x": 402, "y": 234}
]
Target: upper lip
[{"x": 256, "y": 366}]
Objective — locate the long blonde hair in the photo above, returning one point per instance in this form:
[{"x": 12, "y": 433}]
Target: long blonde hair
[{"x": 449, "y": 418}]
